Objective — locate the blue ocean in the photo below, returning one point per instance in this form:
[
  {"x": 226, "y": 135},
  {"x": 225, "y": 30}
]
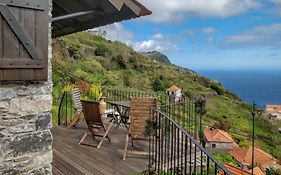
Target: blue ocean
[{"x": 261, "y": 87}]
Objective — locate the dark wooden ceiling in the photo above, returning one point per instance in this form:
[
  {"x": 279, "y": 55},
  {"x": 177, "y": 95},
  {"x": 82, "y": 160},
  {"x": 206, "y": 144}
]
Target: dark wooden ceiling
[{"x": 77, "y": 15}]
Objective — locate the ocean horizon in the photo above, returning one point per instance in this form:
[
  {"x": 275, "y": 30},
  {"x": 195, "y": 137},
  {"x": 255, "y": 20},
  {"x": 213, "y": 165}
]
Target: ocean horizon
[{"x": 259, "y": 86}]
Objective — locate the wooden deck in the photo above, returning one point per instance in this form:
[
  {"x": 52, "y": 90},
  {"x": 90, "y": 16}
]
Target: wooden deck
[{"x": 73, "y": 159}]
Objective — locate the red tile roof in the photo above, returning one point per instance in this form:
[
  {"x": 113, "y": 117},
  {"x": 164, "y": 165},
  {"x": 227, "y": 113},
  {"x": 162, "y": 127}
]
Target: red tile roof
[
  {"x": 218, "y": 135},
  {"x": 273, "y": 106},
  {"x": 173, "y": 88},
  {"x": 236, "y": 170},
  {"x": 244, "y": 155},
  {"x": 273, "y": 111},
  {"x": 257, "y": 171}
]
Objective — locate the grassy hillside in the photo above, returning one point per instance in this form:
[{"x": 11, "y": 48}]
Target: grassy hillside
[
  {"x": 108, "y": 63},
  {"x": 157, "y": 56}
]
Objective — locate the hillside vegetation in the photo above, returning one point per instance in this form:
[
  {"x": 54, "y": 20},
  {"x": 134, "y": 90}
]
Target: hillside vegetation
[{"x": 107, "y": 63}]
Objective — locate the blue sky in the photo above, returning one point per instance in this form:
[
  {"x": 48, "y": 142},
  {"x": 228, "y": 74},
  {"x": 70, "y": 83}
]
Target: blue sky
[{"x": 208, "y": 34}]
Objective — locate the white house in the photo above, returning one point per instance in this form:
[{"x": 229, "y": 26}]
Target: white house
[
  {"x": 219, "y": 140},
  {"x": 174, "y": 93},
  {"x": 273, "y": 111}
]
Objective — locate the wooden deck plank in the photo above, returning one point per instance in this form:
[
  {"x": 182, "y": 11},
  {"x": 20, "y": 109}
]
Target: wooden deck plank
[
  {"x": 56, "y": 171},
  {"x": 63, "y": 169},
  {"x": 71, "y": 162},
  {"x": 86, "y": 162},
  {"x": 75, "y": 170},
  {"x": 90, "y": 160}
]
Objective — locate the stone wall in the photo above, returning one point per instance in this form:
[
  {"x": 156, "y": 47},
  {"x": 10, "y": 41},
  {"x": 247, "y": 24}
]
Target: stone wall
[{"x": 25, "y": 122}]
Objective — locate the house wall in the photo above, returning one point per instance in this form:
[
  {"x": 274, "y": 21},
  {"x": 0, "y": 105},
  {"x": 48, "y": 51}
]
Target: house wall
[
  {"x": 219, "y": 146},
  {"x": 275, "y": 116},
  {"x": 175, "y": 96},
  {"x": 25, "y": 122}
]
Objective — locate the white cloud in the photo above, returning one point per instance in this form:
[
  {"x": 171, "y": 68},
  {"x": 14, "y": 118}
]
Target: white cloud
[
  {"x": 178, "y": 10},
  {"x": 157, "y": 36},
  {"x": 154, "y": 45},
  {"x": 209, "y": 30},
  {"x": 276, "y": 1},
  {"x": 276, "y": 7},
  {"x": 210, "y": 40},
  {"x": 116, "y": 31},
  {"x": 268, "y": 36}
]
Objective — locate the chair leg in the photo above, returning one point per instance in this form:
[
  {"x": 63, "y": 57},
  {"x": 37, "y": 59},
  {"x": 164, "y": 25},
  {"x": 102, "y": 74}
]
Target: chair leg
[
  {"x": 106, "y": 131},
  {"x": 77, "y": 119},
  {"x": 132, "y": 141},
  {"x": 74, "y": 122},
  {"x": 83, "y": 138},
  {"x": 105, "y": 134},
  {"x": 126, "y": 147}
]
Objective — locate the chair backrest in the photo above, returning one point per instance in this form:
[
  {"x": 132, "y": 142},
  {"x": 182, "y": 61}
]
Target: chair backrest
[
  {"x": 91, "y": 112},
  {"x": 140, "y": 111},
  {"x": 76, "y": 98}
]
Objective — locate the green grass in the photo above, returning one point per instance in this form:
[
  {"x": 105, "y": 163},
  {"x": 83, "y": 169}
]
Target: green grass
[{"x": 224, "y": 157}]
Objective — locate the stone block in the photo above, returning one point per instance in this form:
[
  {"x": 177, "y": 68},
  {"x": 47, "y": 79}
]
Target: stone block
[
  {"x": 9, "y": 116},
  {"x": 44, "y": 121},
  {"x": 6, "y": 93},
  {"x": 29, "y": 116},
  {"x": 46, "y": 170},
  {"x": 34, "y": 89},
  {"x": 12, "y": 122},
  {"x": 18, "y": 162},
  {"x": 3, "y": 133},
  {"x": 10, "y": 171},
  {"x": 4, "y": 106},
  {"x": 43, "y": 158},
  {"x": 37, "y": 103},
  {"x": 27, "y": 143},
  {"x": 23, "y": 128}
]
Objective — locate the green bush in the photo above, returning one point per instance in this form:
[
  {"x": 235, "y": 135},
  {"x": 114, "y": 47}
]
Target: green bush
[
  {"x": 119, "y": 61},
  {"x": 218, "y": 88},
  {"x": 224, "y": 157},
  {"x": 157, "y": 85},
  {"x": 101, "y": 50},
  {"x": 75, "y": 51},
  {"x": 272, "y": 171},
  {"x": 223, "y": 125}
]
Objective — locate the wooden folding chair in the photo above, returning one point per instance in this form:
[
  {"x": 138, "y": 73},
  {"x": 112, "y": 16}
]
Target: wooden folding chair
[
  {"x": 140, "y": 111},
  {"x": 93, "y": 118},
  {"x": 76, "y": 98}
]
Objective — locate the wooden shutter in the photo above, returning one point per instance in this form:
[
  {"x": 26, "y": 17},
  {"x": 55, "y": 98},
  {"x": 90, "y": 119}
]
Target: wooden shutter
[{"x": 24, "y": 27}]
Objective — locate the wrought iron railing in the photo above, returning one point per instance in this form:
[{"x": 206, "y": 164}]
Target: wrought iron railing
[
  {"x": 66, "y": 110},
  {"x": 184, "y": 114},
  {"x": 172, "y": 150}
]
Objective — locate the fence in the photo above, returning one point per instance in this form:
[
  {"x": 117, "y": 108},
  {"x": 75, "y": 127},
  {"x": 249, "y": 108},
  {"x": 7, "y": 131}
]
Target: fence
[
  {"x": 66, "y": 110},
  {"x": 174, "y": 151}
]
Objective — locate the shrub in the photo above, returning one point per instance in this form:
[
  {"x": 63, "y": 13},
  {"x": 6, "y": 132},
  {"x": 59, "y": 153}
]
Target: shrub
[
  {"x": 101, "y": 50},
  {"x": 119, "y": 60},
  {"x": 240, "y": 140},
  {"x": 223, "y": 125},
  {"x": 218, "y": 88},
  {"x": 224, "y": 157},
  {"x": 272, "y": 171},
  {"x": 75, "y": 51},
  {"x": 157, "y": 85}
]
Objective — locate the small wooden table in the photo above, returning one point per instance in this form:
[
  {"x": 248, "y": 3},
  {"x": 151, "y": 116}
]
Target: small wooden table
[{"x": 122, "y": 107}]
